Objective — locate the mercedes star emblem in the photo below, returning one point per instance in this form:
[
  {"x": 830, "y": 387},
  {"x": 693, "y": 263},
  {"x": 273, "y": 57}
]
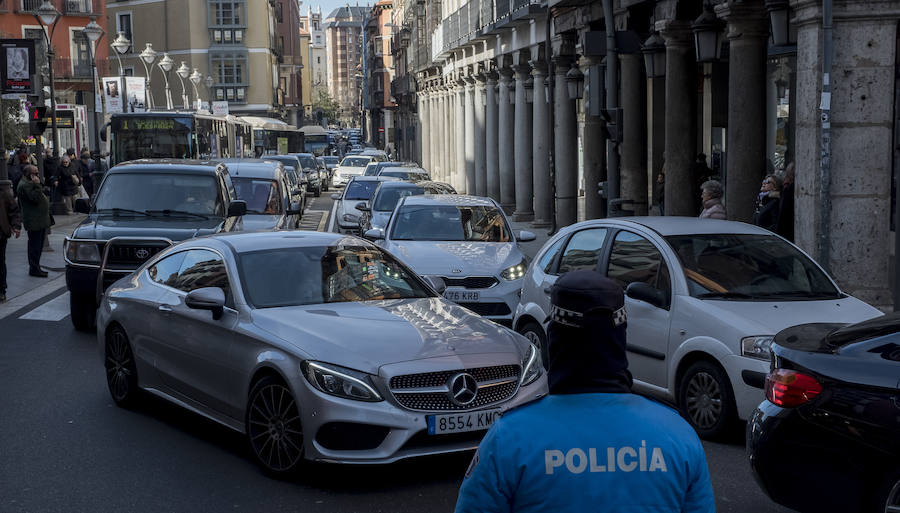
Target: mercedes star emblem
[
  {"x": 463, "y": 389},
  {"x": 142, "y": 253}
]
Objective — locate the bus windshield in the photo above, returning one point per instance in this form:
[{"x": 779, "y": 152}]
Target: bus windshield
[{"x": 150, "y": 137}]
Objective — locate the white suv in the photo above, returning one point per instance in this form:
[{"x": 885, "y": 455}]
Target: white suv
[{"x": 704, "y": 299}]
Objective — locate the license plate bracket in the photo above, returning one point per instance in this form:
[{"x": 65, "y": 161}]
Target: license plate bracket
[{"x": 469, "y": 296}]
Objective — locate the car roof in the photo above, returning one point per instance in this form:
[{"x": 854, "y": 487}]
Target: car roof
[
  {"x": 244, "y": 242},
  {"x": 398, "y": 184},
  {"x": 674, "y": 225},
  {"x": 300, "y": 155},
  {"x": 450, "y": 199},
  {"x": 252, "y": 168},
  {"x": 370, "y": 178},
  {"x": 180, "y": 166}
]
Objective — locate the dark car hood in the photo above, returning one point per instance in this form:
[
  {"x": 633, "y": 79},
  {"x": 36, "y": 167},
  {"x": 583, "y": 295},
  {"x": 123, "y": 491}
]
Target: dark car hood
[{"x": 105, "y": 227}]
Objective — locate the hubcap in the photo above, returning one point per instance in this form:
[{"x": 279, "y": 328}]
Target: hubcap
[
  {"x": 274, "y": 427},
  {"x": 118, "y": 365},
  {"x": 893, "y": 501},
  {"x": 704, "y": 400},
  {"x": 533, "y": 338}
]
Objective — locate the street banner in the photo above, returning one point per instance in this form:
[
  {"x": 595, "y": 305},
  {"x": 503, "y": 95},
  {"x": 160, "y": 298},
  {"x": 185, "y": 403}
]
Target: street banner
[
  {"x": 17, "y": 68},
  {"x": 112, "y": 91},
  {"x": 220, "y": 108},
  {"x": 136, "y": 87}
]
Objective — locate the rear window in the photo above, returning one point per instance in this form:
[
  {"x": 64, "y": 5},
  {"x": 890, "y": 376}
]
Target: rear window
[
  {"x": 262, "y": 196},
  {"x": 389, "y": 196}
]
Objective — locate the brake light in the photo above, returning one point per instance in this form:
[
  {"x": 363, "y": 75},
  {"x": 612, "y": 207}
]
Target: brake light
[{"x": 789, "y": 389}]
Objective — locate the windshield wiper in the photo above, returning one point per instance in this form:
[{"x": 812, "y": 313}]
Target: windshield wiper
[
  {"x": 168, "y": 212},
  {"x": 806, "y": 294},
  {"x": 118, "y": 211},
  {"x": 724, "y": 295}
]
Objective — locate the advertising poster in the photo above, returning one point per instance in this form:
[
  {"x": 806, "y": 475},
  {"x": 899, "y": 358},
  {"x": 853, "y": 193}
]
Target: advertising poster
[
  {"x": 17, "y": 66},
  {"x": 220, "y": 108},
  {"x": 136, "y": 87},
  {"x": 282, "y": 146},
  {"x": 112, "y": 92}
]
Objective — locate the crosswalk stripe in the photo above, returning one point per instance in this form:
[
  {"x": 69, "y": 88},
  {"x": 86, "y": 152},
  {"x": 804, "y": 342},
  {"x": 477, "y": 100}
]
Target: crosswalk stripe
[{"x": 54, "y": 310}]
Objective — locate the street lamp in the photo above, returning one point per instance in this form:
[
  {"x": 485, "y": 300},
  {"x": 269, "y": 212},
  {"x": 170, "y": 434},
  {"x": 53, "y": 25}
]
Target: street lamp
[
  {"x": 121, "y": 45},
  {"x": 707, "y": 35},
  {"x": 93, "y": 33},
  {"x": 654, "y": 50},
  {"x": 148, "y": 57},
  {"x": 779, "y": 21},
  {"x": 165, "y": 64},
  {"x": 183, "y": 72},
  {"x": 48, "y": 16},
  {"x": 196, "y": 78},
  {"x": 575, "y": 82},
  {"x": 209, "y": 92}
]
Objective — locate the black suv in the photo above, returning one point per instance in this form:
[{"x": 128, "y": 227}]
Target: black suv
[{"x": 140, "y": 208}]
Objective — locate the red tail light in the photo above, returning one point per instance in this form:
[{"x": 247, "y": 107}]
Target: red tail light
[{"x": 788, "y": 389}]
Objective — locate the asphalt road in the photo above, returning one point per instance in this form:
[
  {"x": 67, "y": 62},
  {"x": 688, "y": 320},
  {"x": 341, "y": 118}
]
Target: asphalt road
[{"x": 66, "y": 447}]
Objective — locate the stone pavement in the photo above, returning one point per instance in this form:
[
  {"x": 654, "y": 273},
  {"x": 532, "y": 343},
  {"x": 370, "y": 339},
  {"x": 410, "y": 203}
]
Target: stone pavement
[{"x": 23, "y": 289}]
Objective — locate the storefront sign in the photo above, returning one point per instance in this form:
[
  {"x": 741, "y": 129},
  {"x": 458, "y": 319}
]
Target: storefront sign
[
  {"x": 17, "y": 68},
  {"x": 220, "y": 108}
]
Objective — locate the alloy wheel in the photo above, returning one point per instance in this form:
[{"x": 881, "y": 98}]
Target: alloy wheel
[
  {"x": 120, "y": 368},
  {"x": 893, "y": 499},
  {"x": 273, "y": 427},
  {"x": 704, "y": 400}
]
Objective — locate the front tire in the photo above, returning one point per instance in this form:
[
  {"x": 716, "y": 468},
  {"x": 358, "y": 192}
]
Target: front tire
[
  {"x": 706, "y": 400},
  {"x": 273, "y": 427},
  {"x": 535, "y": 334},
  {"x": 887, "y": 498},
  {"x": 83, "y": 311},
  {"x": 121, "y": 371}
]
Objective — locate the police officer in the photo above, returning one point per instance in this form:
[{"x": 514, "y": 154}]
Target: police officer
[{"x": 591, "y": 445}]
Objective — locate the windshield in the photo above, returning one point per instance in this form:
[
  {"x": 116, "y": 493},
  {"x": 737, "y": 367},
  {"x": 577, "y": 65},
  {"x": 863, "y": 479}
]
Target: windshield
[
  {"x": 196, "y": 194},
  {"x": 371, "y": 169},
  {"x": 331, "y": 161},
  {"x": 307, "y": 162},
  {"x": 360, "y": 190},
  {"x": 356, "y": 161},
  {"x": 140, "y": 138},
  {"x": 450, "y": 223},
  {"x": 388, "y": 197},
  {"x": 324, "y": 274},
  {"x": 415, "y": 176},
  {"x": 749, "y": 267},
  {"x": 262, "y": 196}
]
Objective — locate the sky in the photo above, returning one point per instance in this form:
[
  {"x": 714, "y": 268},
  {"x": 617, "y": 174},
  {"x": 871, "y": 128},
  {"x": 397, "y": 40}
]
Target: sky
[{"x": 330, "y": 5}]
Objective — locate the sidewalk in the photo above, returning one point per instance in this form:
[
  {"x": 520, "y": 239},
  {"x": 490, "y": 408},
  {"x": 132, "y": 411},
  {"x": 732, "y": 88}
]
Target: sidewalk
[{"x": 23, "y": 289}]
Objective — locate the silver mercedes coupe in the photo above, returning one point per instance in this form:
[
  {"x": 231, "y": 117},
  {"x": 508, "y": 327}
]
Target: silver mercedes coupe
[{"x": 315, "y": 345}]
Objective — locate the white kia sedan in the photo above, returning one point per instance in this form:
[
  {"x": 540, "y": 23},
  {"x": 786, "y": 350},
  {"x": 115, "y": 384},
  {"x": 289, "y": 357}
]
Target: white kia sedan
[
  {"x": 466, "y": 241},
  {"x": 704, "y": 299},
  {"x": 352, "y": 165}
]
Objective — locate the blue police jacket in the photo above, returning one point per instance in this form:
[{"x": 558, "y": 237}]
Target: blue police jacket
[{"x": 603, "y": 452}]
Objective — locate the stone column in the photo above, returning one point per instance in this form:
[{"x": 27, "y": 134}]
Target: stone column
[
  {"x": 594, "y": 149},
  {"x": 681, "y": 122},
  {"x": 435, "y": 118},
  {"x": 439, "y": 142},
  {"x": 470, "y": 136},
  {"x": 480, "y": 135},
  {"x": 490, "y": 145},
  {"x": 426, "y": 128},
  {"x": 543, "y": 188},
  {"x": 505, "y": 129},
  {"x": 449, "y": 127},
  {"x": 565, "y": 146},
  {"x": 460, "y": 142},
  {"x": 633, "y": 154},
  {"x": 748, "y": 36},
  {"x": 522, "y": 148}
]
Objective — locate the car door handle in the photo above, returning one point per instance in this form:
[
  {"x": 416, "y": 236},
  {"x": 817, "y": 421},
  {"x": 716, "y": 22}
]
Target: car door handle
[{"x": 165, "y": 308}]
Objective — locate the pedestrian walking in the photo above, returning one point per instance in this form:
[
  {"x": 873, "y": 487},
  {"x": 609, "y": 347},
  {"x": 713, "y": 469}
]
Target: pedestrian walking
[
  {"x": 786, "y": 206},
  {"x": 87, "y": 168},
  {"x": 590, "y": 445},
  {"x": 35, "y": 217},
  {"x": 766, "y": 215},
  {"x": 711, "y": 197},
  {"x": 659, "y": 191},
  {"x": 10, "y": 225},
  {"x": 69, "y": 180}
]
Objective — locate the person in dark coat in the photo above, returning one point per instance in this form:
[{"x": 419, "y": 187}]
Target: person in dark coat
[
  {"x": 766, "y": 215},
  {"x": 700, "y": 174},
  {"x": 35, "y": 217},
  {"x": 786, "y": 208},
  {"x": 10, "y": 225},
  {"x": 87, "y": 167},
  {"x": 69, "y": 180},
  {"x": 659, "y": 192}
]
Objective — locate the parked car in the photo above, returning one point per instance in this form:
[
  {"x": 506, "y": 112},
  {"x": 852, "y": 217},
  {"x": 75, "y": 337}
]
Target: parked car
[
  {"x": 377, "y": 211},
  {"x": 704, "y": 299},
  {"x": 406, "y": 374},
  {"x": 467, "y": 241},
  {"x": 264, "y": 186},
  {"x": 351, "y": 166},
  {"x": 410, "y": 174},
  {"x": 140, "y": 208},
  {"x": 827, "y": 437},
  {"x": 357, "y": 192}
]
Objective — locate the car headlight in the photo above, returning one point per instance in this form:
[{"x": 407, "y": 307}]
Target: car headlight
[
  {"x": 350, "y": 218},
  {"x": 83, "y": 252},
  {"x": 339, "y": 381},
  {"x": 515, "y": 272},
  {"x": 757, "y": 347},
  {"x": 532, "y": 365}
]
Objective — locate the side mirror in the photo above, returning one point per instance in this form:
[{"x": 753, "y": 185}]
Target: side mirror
[
  {"x": 335, "y": 196},
  {"x": 361, "y": 206},
  {"x": 643, "y": 292},
  {"x": 207, "y": 298},
  {"x": 82, "y": 206},
  {"x": 298, "y": 191},
  {"x": 374, "y": 234},
  {"x": 237, "y": 208},
  {"x": 526, "y": 236},
  {"x": 295, "y": 208},
  {"x": 437, "y": 283}
]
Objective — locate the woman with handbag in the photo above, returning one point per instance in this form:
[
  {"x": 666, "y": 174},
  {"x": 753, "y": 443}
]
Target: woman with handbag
[{"x": 69, "y": 180}]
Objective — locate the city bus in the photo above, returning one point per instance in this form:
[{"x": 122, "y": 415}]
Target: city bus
[
  {"x": 181, "y": 135},
  {"x": 274, "y": 137},
  {"x": 241, "y": 136},
  {"x": 315, "y": 140}
]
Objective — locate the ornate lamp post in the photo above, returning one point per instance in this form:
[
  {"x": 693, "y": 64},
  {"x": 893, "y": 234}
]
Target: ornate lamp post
[
  {"x": 708, "y": 35},
  {"x": 780, "y": 23},
  {"x": 209, "y": 92},
  {"x": 121, "y": 45},
  {"x": 93, "y": 33},
  {"x": 654, "y": 50},
  {"x": 196, "y": 78},
  {"x": 148, "y": 57},
  {"x": 575, "y": 82},
  {"x": 183, "y": 72},
  {"x": 165, "y": 65},
  {"x": 48, "y": 16}
]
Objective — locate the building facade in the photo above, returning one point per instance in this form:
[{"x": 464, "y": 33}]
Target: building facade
[
  {"x": 290, "y": 57},
  {"x": 343, "y": 42},
  {"x": 71, "y": 59},
  {"x": 235, "y": 42},
  {"x": 379, "y": 103},
  {"x": 741, "y": 81},
  {"x": 305, "y": 76},
  {"x": 318, "y": 57}
]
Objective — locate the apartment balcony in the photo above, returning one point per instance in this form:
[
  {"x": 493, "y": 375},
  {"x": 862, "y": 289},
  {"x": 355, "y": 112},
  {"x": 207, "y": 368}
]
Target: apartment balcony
[
  {"x": 68, "y": 7},
  {"x": 65, "y": 68},
  {"x": 77, "y": 7},
  {"x": 479, "y": 19}
]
